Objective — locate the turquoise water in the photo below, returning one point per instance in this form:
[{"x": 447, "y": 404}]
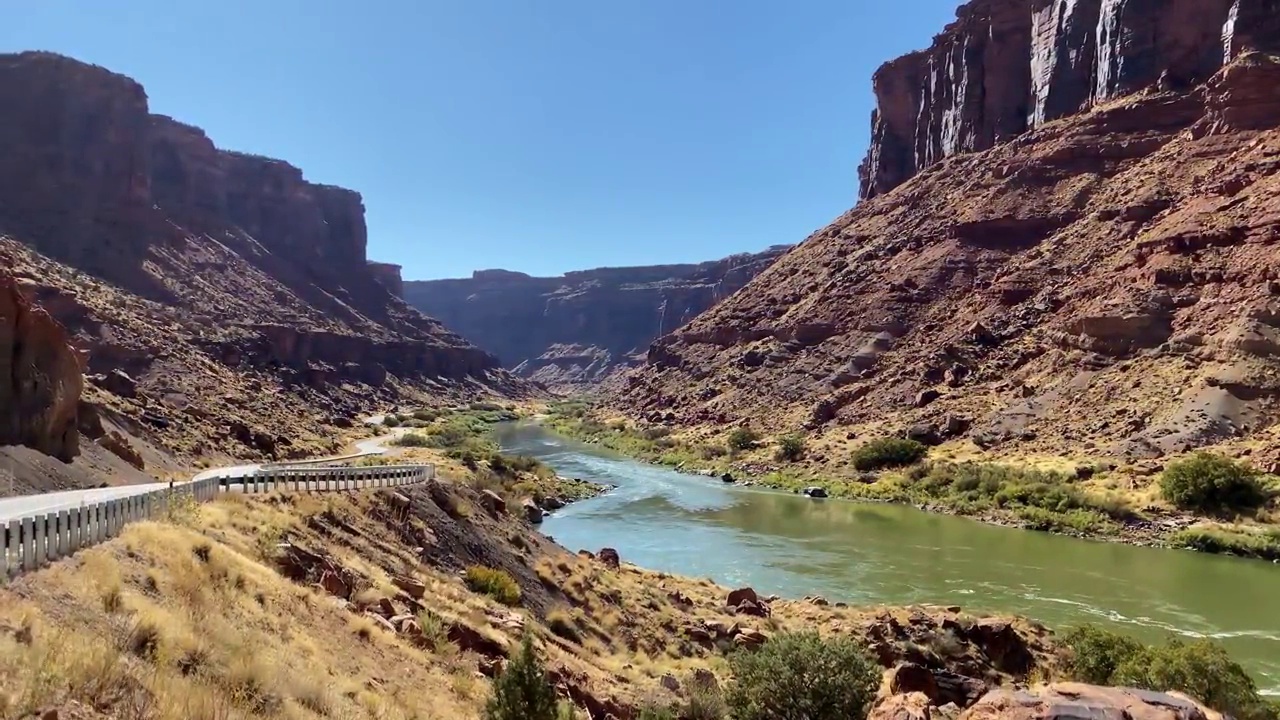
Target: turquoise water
[{"x": 867, "y": 553}]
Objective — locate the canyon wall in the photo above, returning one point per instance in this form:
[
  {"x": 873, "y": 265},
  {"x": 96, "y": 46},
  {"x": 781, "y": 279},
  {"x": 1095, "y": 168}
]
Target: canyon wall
[
  {"x": 1092, "y": 270},
  {"x": 580, "y": 327},
  {"x": 205, "y": 276},
  {"x": 1008, "y": 66}
]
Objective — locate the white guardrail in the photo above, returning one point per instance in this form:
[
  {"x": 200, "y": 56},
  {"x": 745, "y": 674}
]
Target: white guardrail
[{"x": 32, "y": 542}]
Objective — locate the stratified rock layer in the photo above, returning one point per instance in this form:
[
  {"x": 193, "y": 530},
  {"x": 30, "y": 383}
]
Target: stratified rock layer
[
  {"x": 40, "y": 377},
  {"x": 578, "y": 328},
  {"x": 1107, "y": 282},
  {"x": 185, "y": 266},
  {"x": 1008, "y": 66}
]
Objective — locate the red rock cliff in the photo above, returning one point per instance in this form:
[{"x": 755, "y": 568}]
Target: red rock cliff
[
  {"x": 178, "y": 263},
  {"x": 1008, "y": 66},
  {"x": 40, "y": 377},
  {"x": 579, "y": 327}
]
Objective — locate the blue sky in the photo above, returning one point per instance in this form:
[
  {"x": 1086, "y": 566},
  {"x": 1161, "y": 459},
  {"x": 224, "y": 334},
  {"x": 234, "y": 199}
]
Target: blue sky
[{"x": 539, "y": 136}]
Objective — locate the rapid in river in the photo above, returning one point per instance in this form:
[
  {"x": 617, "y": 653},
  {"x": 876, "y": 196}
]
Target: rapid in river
[{"x": 896, "y": 555}]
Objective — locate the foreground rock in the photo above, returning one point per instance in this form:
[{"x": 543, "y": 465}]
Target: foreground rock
[
  {"x": 1076, "y": 700},
  {"x": 40, "y": 377}
]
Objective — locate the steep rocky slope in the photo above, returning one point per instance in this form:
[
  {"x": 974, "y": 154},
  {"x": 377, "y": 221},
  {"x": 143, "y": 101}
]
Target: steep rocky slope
[
  {"x": 224, "y": 303},
  {"x": 1107, "y": 281},
  {"x": 576, "y": 329}
]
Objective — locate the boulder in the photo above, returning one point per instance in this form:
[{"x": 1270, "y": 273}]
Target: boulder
[
  {"x": 910, "y": 706},
  {"x": 609, "y": 557},
  {"x": 925, "y": 397},
  {"x": 727, "y": 477},
  {"x": 532, "y": 512},
  {"x": 1000, "y": 641},
  {"x": 1063, "y": 701},
  {"x": 816, "y": 492},
  {"x": 737, "y": 597},
  {"x": 754, "y": 609},
  {"x": 925, "y": 434},
  {"x": 750, "y": 639},
  {"x": 411, "y": 587},
  {"x": 118, "y": 382},
  {"x": 493, "y": 502},
  {"x": 911, "y": 678}
]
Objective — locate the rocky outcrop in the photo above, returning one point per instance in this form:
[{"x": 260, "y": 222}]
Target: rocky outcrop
[
  {"x": 1107, "y": 281},
  {"x": 1060, "y": 700},
  {"x": 388, "y": 275},
  {"x": 178, "y": 263},
  {"x": 1008, "y": 66},
  {"x": 40, "y": 377},
  {"x": 578, "y": 328}
]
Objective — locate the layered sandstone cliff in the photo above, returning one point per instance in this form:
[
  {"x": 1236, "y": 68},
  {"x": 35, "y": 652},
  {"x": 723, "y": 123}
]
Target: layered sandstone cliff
[
  {"x": 1108, "y": 282},
  {"x": 40, "y": 377},
  {"x": 219, "y": 283},
  {"x": 1008, "y": 66},
  {"x": 579, "y": 328}
]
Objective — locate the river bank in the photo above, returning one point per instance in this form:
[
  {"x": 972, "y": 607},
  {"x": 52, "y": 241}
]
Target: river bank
[{"x": 1085, "y": 503}]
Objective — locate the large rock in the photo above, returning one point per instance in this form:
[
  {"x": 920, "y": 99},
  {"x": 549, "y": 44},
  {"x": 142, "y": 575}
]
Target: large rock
[
  {"x": 40, "y": 377},
  {"x": 1061, "y": 701},
  {"x": 581, "y": 327}
]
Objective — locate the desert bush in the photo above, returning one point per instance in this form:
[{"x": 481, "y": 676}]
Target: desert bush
[
  {"x": 743, "y": 438},
  {"x": 802, "y": 676},
  {"x": 791, "y": 448},
  {"x": 561, "y": 623},
  {"x": 522, "y": 690},
  {"x": 1201, "y": 669},
  {"x": 1205, "y": 482},
  {"x": 888, "y": 453},
  {"x": 497, "y": 584},
  {"x": 412, "y": 440}
]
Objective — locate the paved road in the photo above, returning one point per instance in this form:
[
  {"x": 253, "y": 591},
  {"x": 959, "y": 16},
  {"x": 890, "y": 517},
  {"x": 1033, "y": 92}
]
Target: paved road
[{"x": 26, "y": 505}]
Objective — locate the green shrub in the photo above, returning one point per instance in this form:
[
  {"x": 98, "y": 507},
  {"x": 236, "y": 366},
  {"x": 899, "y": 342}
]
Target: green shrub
[
  {"x": 497, "y": 584},
  {"x": 1205, "y": 482},
  {"x": 426, "y": 415},
  {"x": 561, "y": 622},
  {"x": 391, "y": 421},
  {"x": 485, "y": 407},
  {"x": 712, "y": 452},
  {"x": 522, "y": 690},
  {"x": 791, "y": 448},
  {"x": 888, "y": 453},
  {"x": 801, "y": 676},
  {"x": 1201, "y": 669},
  {"x": 1264, "y": 545},
  {"x": 743, "y": 438},
  {"x": 412, "y": 440}
]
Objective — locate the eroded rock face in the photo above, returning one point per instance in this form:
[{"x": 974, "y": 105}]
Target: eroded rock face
[
  {"x": 40, "y": 377},
  {"x": 1008, "y": 66},
  {"x": 1108, "y": 278},
  {"x": 191, "y": 268},
  {"x": 580, "y": 327}
]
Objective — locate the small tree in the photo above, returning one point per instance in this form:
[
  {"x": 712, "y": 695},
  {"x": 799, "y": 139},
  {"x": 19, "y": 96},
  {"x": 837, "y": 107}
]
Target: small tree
[
  {"x": 801, "y": 676},
  {"x": 522, "y": 691},
  {"x": 791, "y": 447},
  {"x": 1207, "y": 482},
  {"x": 888, "y": 453},
  {"x": 743, "y": 438}
]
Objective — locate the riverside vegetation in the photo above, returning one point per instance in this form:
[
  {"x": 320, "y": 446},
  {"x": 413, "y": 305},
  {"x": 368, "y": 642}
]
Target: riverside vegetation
[
  {"x": 433, "y": 602},
  {"x": 1202, "y": 501}
]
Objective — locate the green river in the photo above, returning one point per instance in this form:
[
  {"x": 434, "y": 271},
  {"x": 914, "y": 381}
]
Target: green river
[{"x": 871, "y": 554}]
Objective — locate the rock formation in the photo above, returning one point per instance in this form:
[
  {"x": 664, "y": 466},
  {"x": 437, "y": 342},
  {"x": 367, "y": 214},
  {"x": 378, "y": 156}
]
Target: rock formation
[
  {"x": 1107, "y": 281},
  {"x": 578, "y": 328},
  {"x": 1008, "y": 66},
  {"x": 210, "y": 277},
  {"x": 40, "y": 377}
]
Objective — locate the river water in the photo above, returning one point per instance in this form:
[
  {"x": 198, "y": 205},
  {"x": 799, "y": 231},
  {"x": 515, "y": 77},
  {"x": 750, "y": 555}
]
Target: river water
[{"x": 871, "y": 554}]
